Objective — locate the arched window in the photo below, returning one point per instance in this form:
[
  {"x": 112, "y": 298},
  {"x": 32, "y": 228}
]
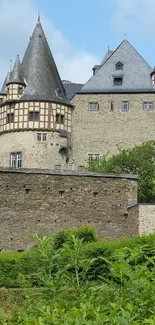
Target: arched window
[{"x": 119, "y": 66}]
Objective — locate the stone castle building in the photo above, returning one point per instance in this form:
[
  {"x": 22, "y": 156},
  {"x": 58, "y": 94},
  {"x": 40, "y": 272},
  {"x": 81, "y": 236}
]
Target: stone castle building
[
  {"x": 48, "y": 130},
  {"x": 47, "y": 123}
]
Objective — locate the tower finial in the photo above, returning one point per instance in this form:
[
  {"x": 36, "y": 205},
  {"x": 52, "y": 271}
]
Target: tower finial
[{"x": 38, "y": 16}]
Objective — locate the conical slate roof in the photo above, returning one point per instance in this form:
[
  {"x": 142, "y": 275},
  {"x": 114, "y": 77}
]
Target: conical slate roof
[
  {"x": 40, "y": 71},
  {"x": 4, "y": 88},
  {"x": 107, "y": 56},
  {"x": 16, "y": 76}
]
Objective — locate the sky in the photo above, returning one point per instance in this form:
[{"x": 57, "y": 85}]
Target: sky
[{"x": 78, "y": 31}]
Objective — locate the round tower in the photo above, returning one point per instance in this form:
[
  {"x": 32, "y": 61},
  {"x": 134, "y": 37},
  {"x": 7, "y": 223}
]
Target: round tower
[{"x": 35, "y": 118}]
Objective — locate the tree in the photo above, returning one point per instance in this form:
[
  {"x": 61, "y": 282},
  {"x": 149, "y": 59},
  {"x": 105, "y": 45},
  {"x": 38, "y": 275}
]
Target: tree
[{"x": 138, "y": 160}]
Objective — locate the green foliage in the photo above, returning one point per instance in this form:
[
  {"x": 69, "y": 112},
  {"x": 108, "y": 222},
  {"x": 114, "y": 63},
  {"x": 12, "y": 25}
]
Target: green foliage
[
  {"x": 86, "y": 283},
  {"x": 85, "y": 232},
  {"x": 137, "y": 160}
]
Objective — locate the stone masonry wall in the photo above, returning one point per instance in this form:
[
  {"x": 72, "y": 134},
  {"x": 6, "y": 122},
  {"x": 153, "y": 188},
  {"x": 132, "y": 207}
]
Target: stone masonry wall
[
  {"x": 42, "y": 202},
  {"x": 146, "y": 219},
  {"x": 103, "y": 131}
]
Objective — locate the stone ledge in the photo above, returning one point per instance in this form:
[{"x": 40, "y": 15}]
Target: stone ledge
[{"x": 67, "y": 173}]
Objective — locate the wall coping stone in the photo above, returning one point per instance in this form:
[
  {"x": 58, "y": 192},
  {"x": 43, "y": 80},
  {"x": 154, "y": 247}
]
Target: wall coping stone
[
  {"x": 146, "y": 204},
  {"x": 67, "y": 173}
]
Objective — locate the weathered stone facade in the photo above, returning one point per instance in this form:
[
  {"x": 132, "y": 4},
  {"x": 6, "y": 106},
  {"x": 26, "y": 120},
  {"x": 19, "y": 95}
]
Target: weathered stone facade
[
  {"x": 43, "y": 202},
  {"x": 146, "y": 219},
  {"x": 104, "y": 131}
]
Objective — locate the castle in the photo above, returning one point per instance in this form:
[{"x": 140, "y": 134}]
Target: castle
[
  {"x": 49, "y": 124},
  {"x": 50, "y": 127}
]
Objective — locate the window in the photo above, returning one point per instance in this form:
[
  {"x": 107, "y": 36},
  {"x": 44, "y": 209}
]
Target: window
[
  {"x": 16, "y": 159},
  {"x": 119, "y": 66},
  {"x": 93, "y": 106},
  {"x": 33, "y": 116},
  {"x": 1, "y": 100},
  {"x": 125, "y": 106},
  {"x": 96, "y": 156},
  {"x": 10, "y": 118},
  {"x": 42, "y": 137},
  {"x": 111, "y": 107},
  {"x": 20, "y": 90},
  {"x": 59, "y": 93},
  {"x": 147, "y": 105},
  {"x": 92, "y": 157},
  {"x": 60, "y": 119},
  {"x": 118, "y": 81},
  {"x": 38, "y": 136}
]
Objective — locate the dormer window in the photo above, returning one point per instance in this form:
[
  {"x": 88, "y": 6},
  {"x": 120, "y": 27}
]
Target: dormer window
[
  {"x": 119, "y": 66},
  {"x": 20, "y": 90},
  {"x": 59, "y": 93}
]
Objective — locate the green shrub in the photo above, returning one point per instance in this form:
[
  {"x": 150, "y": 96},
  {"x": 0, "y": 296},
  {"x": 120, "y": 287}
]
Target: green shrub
[{"x": 86, "y": 232}]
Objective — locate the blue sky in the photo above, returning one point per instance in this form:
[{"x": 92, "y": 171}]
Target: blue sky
[{"x": 78, "y": 31}]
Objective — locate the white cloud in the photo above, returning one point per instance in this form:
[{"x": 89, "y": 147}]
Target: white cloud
[
  {"x": 18, "y": 18},
  {"x": 136, "y": 16}
]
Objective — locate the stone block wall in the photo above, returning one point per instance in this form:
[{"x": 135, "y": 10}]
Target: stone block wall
[
  {"x": 146, "y": 219},
  {"x": 104, "y": 131},
  {"x": 42, "y": 202}
]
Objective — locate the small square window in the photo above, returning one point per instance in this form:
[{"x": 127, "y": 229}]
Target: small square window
[
  {"x": 147, "y": 105},
  {"x": 93, "y": 106},
  {"x": 36, "y": 116},
  {"x": 16, "y": 159},
  {"x": 10, "y": 118},
  {"x": 44, "y": 136},
  {"x": 60, "y": 119},
  {"x": 125, "y": 106},
  {"x": 118, "y": 81},
  {"x": 92, "y": 157},
  {"x": 96, "y": 156},
  {"x": 20, "y": 90},
  {"x": 33, "y": 116},
  {"x": 30, "y": 116},
  {"x": 38, "y": 136},
  {"x": 57, "y": 118}
]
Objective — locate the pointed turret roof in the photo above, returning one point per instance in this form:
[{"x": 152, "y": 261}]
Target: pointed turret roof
[
  {"x": 16, "y": 76},
  {"x": 4, "y": 87},
  {"x": 135, "y": 74},
  {"x": 40, "y": 71},
  {"x": 107, "y": 56}
]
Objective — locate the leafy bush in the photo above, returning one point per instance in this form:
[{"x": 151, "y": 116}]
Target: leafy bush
[
  {"x": 138, "y": 160},
  {"x": 93, "y": 283}
]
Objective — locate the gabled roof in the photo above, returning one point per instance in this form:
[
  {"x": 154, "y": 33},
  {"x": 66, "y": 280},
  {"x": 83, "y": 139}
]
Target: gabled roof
[
  {"x": 135, "y": 73},
  {"x": 16, "y": 75},
  {"x": 40, "y": 71}
]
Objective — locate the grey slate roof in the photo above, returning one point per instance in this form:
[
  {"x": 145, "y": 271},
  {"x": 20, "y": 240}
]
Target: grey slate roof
[
  {"x": 136, "y": 73},
  {"x": 4, "y": 87},
  {"x": 40, "y": 71},
  {"x": 16, "y": 75},
  {"x": 71, "y": 89}
]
